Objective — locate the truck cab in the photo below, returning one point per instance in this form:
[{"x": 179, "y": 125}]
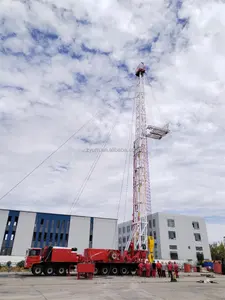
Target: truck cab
[{"x": 33, "y": 256}]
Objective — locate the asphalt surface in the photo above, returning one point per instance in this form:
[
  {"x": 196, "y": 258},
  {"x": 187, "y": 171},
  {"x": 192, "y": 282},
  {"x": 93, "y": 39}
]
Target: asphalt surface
[{"x": 23, "y": 286}]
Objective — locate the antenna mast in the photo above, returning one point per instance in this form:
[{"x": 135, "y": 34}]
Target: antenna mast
[{"x": 141, "y": 180}]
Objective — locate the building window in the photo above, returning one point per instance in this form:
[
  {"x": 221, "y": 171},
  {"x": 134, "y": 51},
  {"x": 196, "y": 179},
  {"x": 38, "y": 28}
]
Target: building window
[
  {"x": 120, "y": 248},
  {"x": 150, "y": 224},
  {"x": 171, "y": 223},
  {"x": 172, "y": 235},
  {"x": 120, "y": 240},
  {"x": 9, "y": 220},
  {"x": 16, "y": 221},
  {"x": 123, "y": 229},
  {"x": 155, "y": 235},
  {"x": 156, "y": 254},
  {"x": 153, "y": 222},
  {"x": 155, "y": 245},
  {"x": 173, "y": 247},
  {"x": 124, "y": 239},
  {"x": 195, "y": 225},
  {"x": 199, "y": 249},
  {"x": 150, "y": 233},
  {"x": 197, "y": 237},
  {"x": 174, "y": 255},
  {"x": 119, "y": 230},
  {"x": 128, "y": 238},
  {"x": 128, "y": 228}
]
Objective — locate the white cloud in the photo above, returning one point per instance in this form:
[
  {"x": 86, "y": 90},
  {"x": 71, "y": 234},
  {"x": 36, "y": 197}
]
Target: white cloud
[{"x": 187, "y": 167}]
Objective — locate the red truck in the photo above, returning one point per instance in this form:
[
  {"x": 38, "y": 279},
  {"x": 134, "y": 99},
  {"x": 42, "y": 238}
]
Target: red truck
[{"x": 58, "y": 260}]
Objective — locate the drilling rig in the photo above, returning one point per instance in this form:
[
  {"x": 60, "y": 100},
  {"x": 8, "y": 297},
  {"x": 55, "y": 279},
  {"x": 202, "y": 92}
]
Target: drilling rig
[
  {"x": 111, "y": 261},
  {"x": 141, "y": 177}
]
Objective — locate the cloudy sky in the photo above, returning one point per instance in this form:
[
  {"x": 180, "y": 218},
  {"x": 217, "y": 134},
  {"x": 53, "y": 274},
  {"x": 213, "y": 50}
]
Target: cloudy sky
[{"x": 66, "y": 64}]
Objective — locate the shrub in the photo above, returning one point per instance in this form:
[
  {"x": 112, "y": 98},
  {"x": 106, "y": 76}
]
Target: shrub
[
  {"x": 20, "y": 264},
  {"x": 9, "y": 264}
]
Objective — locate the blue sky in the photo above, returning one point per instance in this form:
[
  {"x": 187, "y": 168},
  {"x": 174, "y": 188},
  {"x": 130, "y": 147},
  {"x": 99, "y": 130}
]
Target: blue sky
[{"x": 64, "y": 61}]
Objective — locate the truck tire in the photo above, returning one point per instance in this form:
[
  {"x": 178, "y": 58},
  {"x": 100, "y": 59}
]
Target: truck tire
[
  {"x": 114, "y": 270},
  {"x": 96, "y": 272},
  {"x": 48, "y": 271},
  {"x": 105, "y": 270},
  {"x": 37, "y": 270},
  {"x": 61, "y": 271},
  {"x": 123, "y": 270}
]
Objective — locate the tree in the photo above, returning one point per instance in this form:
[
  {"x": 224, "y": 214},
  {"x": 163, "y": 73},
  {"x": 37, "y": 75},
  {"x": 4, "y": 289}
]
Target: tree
[{"x": 217, "y": 251}]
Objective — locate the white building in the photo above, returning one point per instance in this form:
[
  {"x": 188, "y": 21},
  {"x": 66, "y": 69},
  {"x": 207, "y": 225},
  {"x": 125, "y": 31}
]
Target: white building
[
  {"x": 177, "y": 237},
  {"x": 20, "y": 230}
]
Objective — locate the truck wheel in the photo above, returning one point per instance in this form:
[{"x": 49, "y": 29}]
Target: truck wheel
[
  {"x": 61, "y": 271},
  {"x": 96, "y": 271},
  {"x": 37, "y": 270},
  {"x": 48, "y": 271},
  {"x": 133, "y": 272},
  {"x": 114, "y": 271},
  {"x": 105, "y": 270},
  {"x": 123, "y": 271}
]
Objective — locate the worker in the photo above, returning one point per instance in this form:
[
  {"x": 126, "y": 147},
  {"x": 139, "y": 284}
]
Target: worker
[
  {"x": 140, "y": 268},
  {"x": 148, "y": 268},
  {"x": 159, "y": 268},
  {"x": 170, "y": 269},
  {"x": 153, "y": 269},
  {"x": 163, "y": 269},
  {"x": 176, "y": 269}
]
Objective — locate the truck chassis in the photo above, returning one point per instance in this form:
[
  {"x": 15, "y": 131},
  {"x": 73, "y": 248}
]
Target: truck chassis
[{"x": 101, "y": 268}]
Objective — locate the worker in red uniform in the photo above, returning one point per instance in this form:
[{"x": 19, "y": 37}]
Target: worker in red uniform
[
  {"x": 176, "y": 269},
  {"x": 170, "y": 269},
  {"x": 140, "y": 268},
  {"x": 148, "y": 268},
  {"x": 153, "y": 269},
  {"x": 159, "y": 268}
]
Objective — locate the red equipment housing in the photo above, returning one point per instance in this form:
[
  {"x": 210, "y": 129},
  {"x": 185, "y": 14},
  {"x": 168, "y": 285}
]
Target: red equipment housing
[{"x": 59, "y": 260}]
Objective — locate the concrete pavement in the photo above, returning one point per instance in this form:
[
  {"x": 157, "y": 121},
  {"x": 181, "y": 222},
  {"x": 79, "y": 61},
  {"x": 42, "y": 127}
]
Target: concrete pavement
[{"x": 26, "y": 287}]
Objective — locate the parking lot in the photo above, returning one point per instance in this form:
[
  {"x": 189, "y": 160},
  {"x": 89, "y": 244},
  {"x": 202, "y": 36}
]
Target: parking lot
[{"x": 28, "y": 287}]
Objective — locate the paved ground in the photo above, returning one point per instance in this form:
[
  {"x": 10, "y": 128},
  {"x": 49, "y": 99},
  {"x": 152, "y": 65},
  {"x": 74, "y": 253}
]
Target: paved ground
[{"x": 26, "y": 287}]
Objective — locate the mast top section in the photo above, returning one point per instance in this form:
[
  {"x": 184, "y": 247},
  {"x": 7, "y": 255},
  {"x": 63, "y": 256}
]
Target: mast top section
[{"x": 140, "y": 71}]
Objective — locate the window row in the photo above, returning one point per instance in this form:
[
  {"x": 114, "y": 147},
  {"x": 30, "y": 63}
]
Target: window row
[
  {"x": 64, "y": 223},
  {"x": 10, "y": 220},
  {"x": 170, "y": 223},
  {"x": 174, "y": 247},
  {"x": 50, "y": 237},
  {"x": 172, "y": 236},
  {"x": 11, "y": 237},
  {"x": 125, "y": 229}
]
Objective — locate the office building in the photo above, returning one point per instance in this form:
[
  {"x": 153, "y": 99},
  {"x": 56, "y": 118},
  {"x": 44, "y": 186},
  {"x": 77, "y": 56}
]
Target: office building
[
  {"x": 20, "y": 230},
  {"x": 177, "y": 237}
]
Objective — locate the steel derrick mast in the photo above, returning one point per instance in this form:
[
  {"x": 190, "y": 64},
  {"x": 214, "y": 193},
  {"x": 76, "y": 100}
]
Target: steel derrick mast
[
  {"x": 139, "y": 226},
  {"x": 141, "y": 177}
]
